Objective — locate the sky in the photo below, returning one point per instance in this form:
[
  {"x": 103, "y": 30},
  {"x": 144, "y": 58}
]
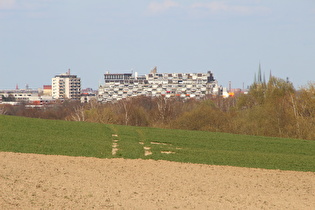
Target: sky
[{"x": 43, "y": 38}]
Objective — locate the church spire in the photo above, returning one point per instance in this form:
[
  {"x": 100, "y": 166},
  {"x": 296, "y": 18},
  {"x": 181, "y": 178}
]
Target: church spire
[
  {"x": 259, "y": 74},
  {"x": 264, "y": 79}
]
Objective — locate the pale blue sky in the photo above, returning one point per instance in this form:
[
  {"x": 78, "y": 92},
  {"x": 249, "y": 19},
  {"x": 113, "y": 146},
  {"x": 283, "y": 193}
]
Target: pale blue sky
[{"x": 42, "y": 38}]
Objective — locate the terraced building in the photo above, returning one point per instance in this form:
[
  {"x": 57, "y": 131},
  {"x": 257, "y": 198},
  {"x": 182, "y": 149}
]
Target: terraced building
[{"x": 182, "y": 85}]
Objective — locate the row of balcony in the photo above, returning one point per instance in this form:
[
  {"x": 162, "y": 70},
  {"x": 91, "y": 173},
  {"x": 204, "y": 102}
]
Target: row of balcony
[{"x": 118, "y": 96}]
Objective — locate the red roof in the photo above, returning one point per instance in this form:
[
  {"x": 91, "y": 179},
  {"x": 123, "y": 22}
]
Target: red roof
[{"x": 47, "y": 87}]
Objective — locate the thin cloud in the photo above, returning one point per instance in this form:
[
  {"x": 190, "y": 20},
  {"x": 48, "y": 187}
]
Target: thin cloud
[
  {"x": 17, "y": 5},
  {"x": 201, "y": 9},
  {"x": 155, "y": 7},
  {"x": 31, "y": 9},
  {"x": 7, "y": 4},
  {"x": 222, "y": 7}
]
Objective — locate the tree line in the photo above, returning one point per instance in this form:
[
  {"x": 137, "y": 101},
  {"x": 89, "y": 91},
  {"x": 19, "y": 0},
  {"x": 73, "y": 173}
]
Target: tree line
[{"x": 269, "y": 109}]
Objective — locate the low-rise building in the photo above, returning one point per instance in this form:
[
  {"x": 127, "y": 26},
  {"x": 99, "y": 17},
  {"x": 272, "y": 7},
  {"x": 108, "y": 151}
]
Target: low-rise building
[
  {"x": 87, "y": 97},
  {"x": 28, "y": 97},
  {"x": 47, "y": 90}
]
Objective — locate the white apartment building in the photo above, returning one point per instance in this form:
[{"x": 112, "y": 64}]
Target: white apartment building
[
  {"x": 182, "y": 85},
  {"x": 66, "y": 86}
]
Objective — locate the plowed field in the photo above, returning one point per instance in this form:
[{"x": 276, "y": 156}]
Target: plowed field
[{"x": 31, "y": 181}]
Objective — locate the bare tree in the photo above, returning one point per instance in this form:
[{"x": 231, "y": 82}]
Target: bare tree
[
  {"x": 77, "y": 115},
  {"x": 2, "y": 110}
]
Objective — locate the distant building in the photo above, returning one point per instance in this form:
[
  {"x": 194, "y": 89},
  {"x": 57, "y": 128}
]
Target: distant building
[
  {"x": 87, "y": 95},
  {"x": 237, "y": 91},
  {"x": 28, "y": 97},
  {"x": 182, "y": 85},
  {"x": 260, "y": 79},
  {"x": 47, "y": 90},
  {"x": 66, "y": 86}
]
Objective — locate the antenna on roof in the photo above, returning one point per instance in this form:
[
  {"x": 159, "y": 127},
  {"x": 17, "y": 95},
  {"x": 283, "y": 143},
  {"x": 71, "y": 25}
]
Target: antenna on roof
[{"x": 154, "y": 70}]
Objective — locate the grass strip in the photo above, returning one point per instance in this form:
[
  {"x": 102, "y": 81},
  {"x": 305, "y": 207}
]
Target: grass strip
[{"x": 26, "y": 135}]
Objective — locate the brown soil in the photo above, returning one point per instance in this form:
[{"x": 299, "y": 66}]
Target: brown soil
[{"x": 30, "y": 181}]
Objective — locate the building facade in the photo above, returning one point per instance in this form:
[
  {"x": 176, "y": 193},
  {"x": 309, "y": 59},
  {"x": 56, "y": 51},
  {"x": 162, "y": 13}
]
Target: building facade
[
  {"x": 182, "y": 85},
  {"x": 28, "y": 97},
  {"x": 47, "y": 90},
  {"x": 66, "y": 86}
]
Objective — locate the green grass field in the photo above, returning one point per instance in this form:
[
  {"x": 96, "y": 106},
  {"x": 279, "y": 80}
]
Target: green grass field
[{"x": 26, "y": 135}]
